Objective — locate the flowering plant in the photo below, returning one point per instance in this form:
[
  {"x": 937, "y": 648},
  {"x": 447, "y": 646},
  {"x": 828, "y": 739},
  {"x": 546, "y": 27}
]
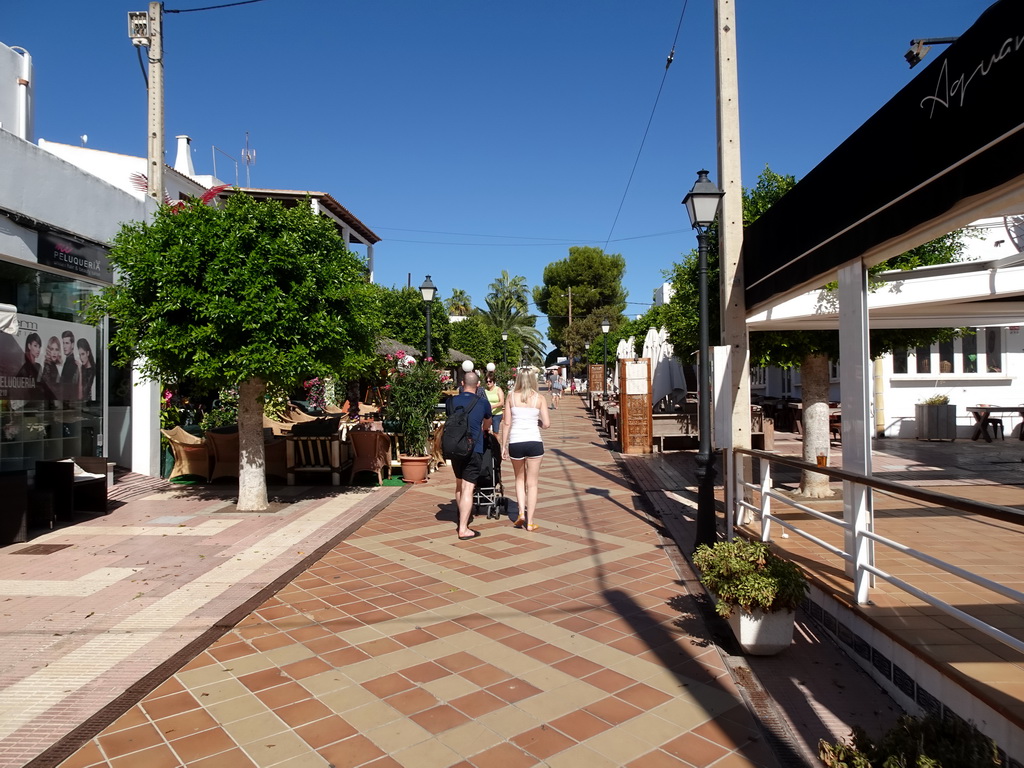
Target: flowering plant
[
  {"x": 413, "y": 390},
  {"x": 316, "y": 392}
]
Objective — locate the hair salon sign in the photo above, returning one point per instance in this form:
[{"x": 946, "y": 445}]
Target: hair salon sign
[{"x": 71, "y": 256}]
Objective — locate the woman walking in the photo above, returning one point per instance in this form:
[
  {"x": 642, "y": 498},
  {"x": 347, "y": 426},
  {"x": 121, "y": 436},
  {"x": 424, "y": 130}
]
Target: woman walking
[
  {"x": 521, "y": 443},
  {"x": 496, "y": 397}
]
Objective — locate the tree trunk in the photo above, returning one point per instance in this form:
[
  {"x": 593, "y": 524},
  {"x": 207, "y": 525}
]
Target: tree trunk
[
  {"x": 814, "y": 393},
  {"x": 252, "y": 477}
]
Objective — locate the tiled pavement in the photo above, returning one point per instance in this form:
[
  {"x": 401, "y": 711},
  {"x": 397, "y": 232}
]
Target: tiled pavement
[{"x": 576, "y": 645}]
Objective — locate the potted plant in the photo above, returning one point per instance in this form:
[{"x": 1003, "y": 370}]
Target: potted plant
[
  {"x": 748, "y": 576},
  {"x": 413, "y": 391},
  {"x": 936, "y": 418}
]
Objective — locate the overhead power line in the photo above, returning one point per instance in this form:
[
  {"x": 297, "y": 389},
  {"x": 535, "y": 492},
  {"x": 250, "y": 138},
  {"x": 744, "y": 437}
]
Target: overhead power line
[
  {"x": 213, "y": 7},
  {"x": 636, "y": 161}
]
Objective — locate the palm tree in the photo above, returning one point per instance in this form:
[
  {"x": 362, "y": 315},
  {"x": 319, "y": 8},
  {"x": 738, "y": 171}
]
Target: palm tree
[
  {"x": 505, "y": 314},
  {"x": 511, "y": 289},
  {"x": 459, "y": 303}
]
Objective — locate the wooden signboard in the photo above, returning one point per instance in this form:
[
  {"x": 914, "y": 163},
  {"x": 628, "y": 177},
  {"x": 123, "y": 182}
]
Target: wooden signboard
[
  {"x": 635, "y": 428},
  {"x": 595, "y": 378}
]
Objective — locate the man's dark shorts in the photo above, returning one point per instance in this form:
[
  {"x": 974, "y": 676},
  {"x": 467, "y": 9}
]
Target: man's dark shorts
[{"x": 468, "y": 469}]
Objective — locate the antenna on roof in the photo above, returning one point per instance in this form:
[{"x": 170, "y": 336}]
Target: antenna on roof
[{"x": 249, "y": 158}]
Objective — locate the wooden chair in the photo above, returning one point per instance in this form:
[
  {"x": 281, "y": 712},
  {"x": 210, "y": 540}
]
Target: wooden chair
[
  {"x": 224, "y": 451},
  {"x": 279, "y": 428},
  {"x": 313, "y": 453},
  {"x": 372, "y": 449},
  {"x": 191, "y": 456}
]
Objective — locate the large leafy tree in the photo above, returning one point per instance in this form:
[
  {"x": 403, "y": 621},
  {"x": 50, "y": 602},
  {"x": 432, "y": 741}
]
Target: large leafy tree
[
  {"x": 810, "y": 350},
  {"x": 404, "y": 318},
  {"x": 481, "y": 341},
  {"x": 595, "y": 278},
  {"x": 244, "y": 295}
]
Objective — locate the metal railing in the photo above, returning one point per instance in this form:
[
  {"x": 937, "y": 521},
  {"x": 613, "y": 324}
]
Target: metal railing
[{"x": 858, "y": 535}]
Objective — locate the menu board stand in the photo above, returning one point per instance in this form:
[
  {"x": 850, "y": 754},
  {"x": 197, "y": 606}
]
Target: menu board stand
[{"x": 635, "y": 412}]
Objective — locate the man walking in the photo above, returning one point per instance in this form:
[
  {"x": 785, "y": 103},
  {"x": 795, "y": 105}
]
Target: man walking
[
  {"x": 557, "y": 387},
  {"x": 467, "y": 470}
]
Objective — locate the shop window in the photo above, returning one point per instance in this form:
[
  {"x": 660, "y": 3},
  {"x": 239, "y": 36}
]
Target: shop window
[
  {"x": 946, "y": 356},
  {"x": 994, "y": 350},
  {"x": 969, "y": 353},
  {"x": 924, "y": 359},
  {"x": 899, "y": 361},
  {"x": 52, "y": 371}
]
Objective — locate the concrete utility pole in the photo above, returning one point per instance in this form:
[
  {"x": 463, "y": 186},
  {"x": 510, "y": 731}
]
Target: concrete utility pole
[
  {"x": 730, "y": 232},
  {"x": 156, "y": 103}
]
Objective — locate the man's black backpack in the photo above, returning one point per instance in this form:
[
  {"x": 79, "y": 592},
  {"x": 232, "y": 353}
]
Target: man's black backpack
[{"x": 456, "y": 441}]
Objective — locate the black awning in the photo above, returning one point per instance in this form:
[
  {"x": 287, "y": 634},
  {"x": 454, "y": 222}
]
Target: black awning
[{"x": 955, "y": 131}]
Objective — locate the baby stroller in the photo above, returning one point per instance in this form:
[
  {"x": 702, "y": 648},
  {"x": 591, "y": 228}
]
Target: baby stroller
[{"x": 489, "y": 498}]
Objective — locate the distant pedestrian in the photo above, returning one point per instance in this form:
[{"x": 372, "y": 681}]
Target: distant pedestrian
[
  {"x": 467, "y": 470},
  {"x": 526, "y": 414},
  {"x": 496, "y": 397},
  {"x": 557, "y": 387}
]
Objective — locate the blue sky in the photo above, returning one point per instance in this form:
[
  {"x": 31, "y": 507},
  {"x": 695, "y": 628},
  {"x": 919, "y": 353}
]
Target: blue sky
[{"x": 479, "y": 136}]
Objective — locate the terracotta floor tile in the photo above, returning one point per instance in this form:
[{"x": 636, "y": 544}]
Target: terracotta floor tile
[
  {"x": 86, "y": 757},
  {"x": 608, "y": 680},
  {"x": 543, "y": 742},
  {"x": 194, "y": 721},
  {"x": 695, "y": 750},
  {"x": 230, "y": 651},
  {"x": 424, "y": 673},
  {"x": 485, "y": 674},
  {"x": 302, "y": 712},
  {"x": 513, "y": 690},
  {"x": 353, "y": 751},
  {"x": 503, "y": 756},
  {"x": 130, "y": 740},
  {"x": 343, "y": 657},
  {"x": 327, "y": 730},
  {"x": 137, "y": 716},
  {"x": 643, "y": 696},
  {"x": 282, "y": 695},
  {"x": 476, "y": 704},
  {"x": 612, "y": 710},
  {"x": 160, "y": 756},
  {"x": 439, "y": 718},
  {"x": 379, "y": 647},
  {"x": 580, "y": 725},
  {"x": 548, "y": 654},
  {"x": 413, "y": 638},
  {"x": 578, "y": 667},
  {"x": 382, "y": 687},
  {"x": 658, "y": 759},
  {"x": 306, "y": 668},
  {"x": 412, "y": 701},
  {"x": 459, "y": 662},
  {"x": 496, "y": 631},
  {"x": 206, "y": 744},
  {"x": 267, "y": 678}
]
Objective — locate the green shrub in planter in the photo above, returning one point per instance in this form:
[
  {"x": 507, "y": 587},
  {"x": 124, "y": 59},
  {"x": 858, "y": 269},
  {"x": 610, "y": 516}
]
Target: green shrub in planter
[
  {"x": 929, "y": 742},
  {"x": 749, "y": 575}
]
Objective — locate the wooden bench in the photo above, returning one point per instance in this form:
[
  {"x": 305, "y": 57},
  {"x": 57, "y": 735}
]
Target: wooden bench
[{"x": 671, "y": 426}]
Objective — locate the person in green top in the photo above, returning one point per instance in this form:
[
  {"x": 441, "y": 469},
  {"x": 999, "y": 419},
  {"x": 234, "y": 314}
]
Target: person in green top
[{"x": 496, "y": 397}]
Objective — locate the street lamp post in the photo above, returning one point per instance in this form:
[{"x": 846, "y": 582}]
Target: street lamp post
[
  {"x": 428, "y": 291},
  {"x": 504, "y": 347},
  {"x": 702, "y": 207},
  {"x": 605, "y": 327}
]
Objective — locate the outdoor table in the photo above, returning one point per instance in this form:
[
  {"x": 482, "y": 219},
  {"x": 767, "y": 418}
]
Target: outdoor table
[{"x": 982, "y": 413}]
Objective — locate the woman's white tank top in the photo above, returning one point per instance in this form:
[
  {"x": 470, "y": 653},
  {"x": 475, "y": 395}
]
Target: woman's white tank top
[{"x": 525, "y": 427}]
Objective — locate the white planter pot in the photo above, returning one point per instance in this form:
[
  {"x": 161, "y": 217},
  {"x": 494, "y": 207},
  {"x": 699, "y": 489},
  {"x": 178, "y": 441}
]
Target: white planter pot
[{"x": 762, "y": 634}]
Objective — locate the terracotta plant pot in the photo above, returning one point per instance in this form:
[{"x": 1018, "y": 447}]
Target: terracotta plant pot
[{"x": 414, "y": 468}]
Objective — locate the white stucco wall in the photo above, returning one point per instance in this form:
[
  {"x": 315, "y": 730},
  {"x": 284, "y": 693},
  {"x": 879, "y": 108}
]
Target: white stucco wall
[{"x": 37, "y": 184}]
